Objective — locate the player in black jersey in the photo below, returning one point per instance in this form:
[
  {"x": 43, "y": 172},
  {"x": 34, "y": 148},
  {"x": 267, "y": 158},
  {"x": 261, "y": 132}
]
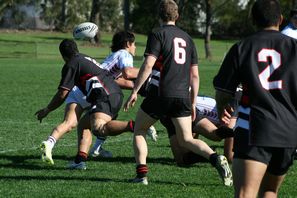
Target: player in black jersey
[
  {"x": 103, "y": 93},
  {"x": 265, "y": 136},
  {"x": 171, "y": 54}
]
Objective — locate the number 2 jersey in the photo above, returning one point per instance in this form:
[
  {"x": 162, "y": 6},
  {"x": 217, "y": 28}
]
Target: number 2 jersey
[
  {"x": 266, "y": 66},
  {"x": 176, "y": 53}
]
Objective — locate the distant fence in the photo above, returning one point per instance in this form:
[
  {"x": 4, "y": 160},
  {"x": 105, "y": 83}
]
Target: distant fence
[{"x": 17, "y": 49}]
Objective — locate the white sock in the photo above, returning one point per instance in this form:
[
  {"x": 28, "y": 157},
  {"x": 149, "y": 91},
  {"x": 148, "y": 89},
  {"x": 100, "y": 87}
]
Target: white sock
[
  {"x": 52, "y": 141},
  {"x": 98, "y": 143}
]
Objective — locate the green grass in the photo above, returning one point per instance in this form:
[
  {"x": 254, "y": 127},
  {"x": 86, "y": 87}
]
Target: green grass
[{"x": 30, "y": 70}]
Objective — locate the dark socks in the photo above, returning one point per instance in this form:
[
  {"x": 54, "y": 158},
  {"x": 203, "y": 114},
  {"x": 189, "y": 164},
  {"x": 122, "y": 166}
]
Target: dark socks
[
  {"x": 131, "y": 125},
  {"x": 81, "y": 157},
  {"x": 141, "y": 170},
  {"x": 213, "y": 159}
]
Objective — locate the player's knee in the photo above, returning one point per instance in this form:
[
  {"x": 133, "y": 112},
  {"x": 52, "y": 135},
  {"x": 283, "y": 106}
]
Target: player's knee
[{"x": 99, "y": 130}]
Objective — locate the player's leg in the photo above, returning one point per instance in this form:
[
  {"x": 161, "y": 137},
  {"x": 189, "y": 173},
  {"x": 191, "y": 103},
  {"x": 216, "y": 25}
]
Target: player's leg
[
  {"x": 142, "y": 122},
  {"x": 279, "y": 164},
  {"x": 185, "y": 138},
  {"x": 206, "y": 128},
  {"x": 247, "y": 175},
  {"x": 72, "y": 114},
  {"x": 117, "y": 127},
  {"x": 228, "y": 149},
  {"x": 270, "y": 185}
]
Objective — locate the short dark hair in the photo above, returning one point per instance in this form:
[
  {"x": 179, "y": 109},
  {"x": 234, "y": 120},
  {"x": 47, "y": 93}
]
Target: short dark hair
[
  {"x": 266, "y": 13},
  {"x": 293, "y": 12},
  {"x": 120, "y": 39},
  {"x": 168, "y": 10},
  {"x": 68, "y": 48}
]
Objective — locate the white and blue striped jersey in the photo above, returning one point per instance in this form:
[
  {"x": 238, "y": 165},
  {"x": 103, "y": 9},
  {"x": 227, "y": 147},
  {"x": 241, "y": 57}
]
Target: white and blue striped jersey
[{"x": 117, "y": 61}]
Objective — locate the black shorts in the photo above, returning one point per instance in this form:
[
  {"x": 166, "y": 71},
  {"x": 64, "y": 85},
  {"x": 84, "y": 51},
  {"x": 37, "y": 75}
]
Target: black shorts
[
  {"x": 277, "y": 159},
  {"x": 109, "y": 105},
  {"x": 158, "y": 107}
]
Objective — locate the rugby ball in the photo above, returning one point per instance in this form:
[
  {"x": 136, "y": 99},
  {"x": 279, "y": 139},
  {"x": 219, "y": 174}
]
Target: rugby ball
[{"x": 85, "y": 30}]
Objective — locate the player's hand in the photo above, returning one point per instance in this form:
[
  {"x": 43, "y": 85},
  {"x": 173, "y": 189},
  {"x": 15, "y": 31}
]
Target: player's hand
[
  {"x": 42, "y": 113},
  {"x": 130, "y": 102},
  {"x": 227, "y": 115}
]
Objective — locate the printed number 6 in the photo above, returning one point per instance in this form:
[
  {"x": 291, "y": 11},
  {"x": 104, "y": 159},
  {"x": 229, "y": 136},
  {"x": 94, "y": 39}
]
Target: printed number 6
[
  {"x": 179, "y": 51},
  {"x": 263, "y": 56}
]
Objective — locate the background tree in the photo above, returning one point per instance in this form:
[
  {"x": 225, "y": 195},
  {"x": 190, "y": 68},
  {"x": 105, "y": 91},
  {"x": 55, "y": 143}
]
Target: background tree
[{"x": 65, "y": 14}]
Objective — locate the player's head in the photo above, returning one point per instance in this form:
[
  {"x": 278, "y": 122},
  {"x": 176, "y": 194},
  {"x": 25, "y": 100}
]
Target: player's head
[
  {"x": 168, "y": 10},
  {"x": 68, "y": 48},
  {"x": 266, "y": 13},
  {"x": 121, "y": 40}
]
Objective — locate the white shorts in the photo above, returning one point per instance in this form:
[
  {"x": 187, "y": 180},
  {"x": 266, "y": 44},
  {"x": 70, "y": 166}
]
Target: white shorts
[
  {"x": 76, "y": 96},
  {"x": 206, "y": 108}
]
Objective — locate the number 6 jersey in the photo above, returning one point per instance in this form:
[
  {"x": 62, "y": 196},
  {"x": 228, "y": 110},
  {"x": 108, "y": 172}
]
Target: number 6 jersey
[
  {"x": 266, "y": 66},
  {"x": 176, "y": 53}
]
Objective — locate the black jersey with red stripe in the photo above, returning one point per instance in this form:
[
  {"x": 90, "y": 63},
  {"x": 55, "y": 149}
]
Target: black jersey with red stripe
[
  {"x": 81, "y": 68},
  {"x": 176, "y": 53},
  {"x": 266, "y": 66}
]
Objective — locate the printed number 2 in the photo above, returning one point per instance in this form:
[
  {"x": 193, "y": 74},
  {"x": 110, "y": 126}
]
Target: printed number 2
[
  {"x": 263, "y": 56},
  {"x": 179, "y": 50}
]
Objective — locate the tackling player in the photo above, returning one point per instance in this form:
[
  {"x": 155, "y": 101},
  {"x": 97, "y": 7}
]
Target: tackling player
[{"x": 121, "y": 66}]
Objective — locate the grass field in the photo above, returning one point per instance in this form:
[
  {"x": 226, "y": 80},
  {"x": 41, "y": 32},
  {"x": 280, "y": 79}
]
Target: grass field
[{"x": 30, "y": 70}]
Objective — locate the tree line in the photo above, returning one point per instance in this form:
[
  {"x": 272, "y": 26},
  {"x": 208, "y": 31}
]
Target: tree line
[{"x": 202, "y": 18}]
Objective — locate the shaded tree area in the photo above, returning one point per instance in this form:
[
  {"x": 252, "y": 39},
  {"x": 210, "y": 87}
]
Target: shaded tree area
[{"x": 207, "y": 19}]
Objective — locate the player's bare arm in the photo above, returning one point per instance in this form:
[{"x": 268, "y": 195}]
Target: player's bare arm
[
  {"x": 130, "y": 73},
  {"x": 194, "y": 88},
  {"x": 125, "y": 84},
  {"x": 56, "y": 102},
  {"x": 144, "y": 72}
]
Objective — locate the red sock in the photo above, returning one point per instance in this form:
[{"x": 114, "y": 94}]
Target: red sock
[
  {"x": 141, "y": 170},
  {"x": 81, "y": 157},
  {"x": 131, "y": 125}
]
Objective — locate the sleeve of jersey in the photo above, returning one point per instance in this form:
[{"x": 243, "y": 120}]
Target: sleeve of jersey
[
  {"x": 153, "y": 46},
  {"x": 68, "y": 78},
  {"x": 194, "y": 56},
  {"x": 125, "y": 60},
  {"x": 227, "y": 78}
]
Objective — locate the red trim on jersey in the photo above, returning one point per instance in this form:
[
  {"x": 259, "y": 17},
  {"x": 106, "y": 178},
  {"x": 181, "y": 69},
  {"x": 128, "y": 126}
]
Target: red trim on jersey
[{"x": 84, "y": 78}]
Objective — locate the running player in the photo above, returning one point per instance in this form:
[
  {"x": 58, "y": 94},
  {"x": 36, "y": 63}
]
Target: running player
[
  {"x": 171, "y": 53},
  {"x": 265, "y": 135}
]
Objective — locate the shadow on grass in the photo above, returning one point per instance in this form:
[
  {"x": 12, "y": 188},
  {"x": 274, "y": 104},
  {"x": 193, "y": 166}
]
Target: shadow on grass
[
  {"x": 106, "y": 180},
  {"x": 25, "y": 162}
]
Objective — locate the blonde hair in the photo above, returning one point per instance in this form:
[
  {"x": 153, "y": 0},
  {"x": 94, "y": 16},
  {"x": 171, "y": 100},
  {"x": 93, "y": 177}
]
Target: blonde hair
[{"x": 168, "y": 10}]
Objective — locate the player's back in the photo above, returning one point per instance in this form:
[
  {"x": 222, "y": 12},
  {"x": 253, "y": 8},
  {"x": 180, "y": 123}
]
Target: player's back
[
  {"x": 177, "y": 53},
  {"x": 267, "y": 63}
]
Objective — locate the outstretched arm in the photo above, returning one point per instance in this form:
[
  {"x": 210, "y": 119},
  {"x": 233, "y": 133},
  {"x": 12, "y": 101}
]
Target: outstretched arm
[{"x": 56, "y": 102}]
